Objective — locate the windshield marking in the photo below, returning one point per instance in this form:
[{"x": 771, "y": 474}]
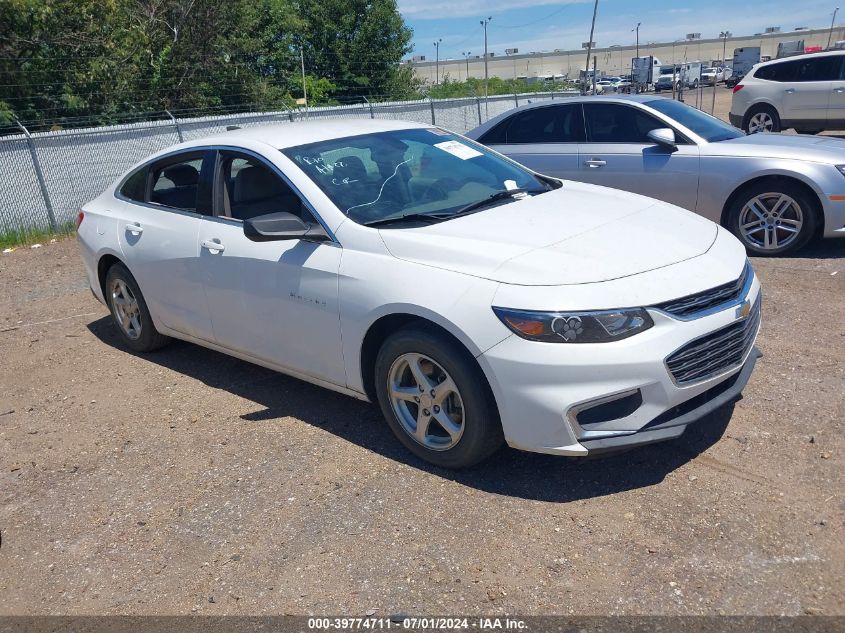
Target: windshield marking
[{"x": 381, "y": 190}]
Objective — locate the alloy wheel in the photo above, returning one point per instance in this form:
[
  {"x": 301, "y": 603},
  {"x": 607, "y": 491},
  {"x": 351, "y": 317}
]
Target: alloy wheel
[
  {"x": 426, "y": 401},
  {"x": 771, "y": 221},
  {"x": 126, "y": 310},
  {"x": 761, "y": 122}
]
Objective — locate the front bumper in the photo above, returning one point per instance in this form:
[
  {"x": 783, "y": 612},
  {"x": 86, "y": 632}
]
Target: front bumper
[
  {"x": 674, "y": 422},
  {"x": 541, "y": 388}
]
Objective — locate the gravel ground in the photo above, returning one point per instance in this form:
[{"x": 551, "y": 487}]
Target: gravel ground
[{"x": 189, "y": 482}]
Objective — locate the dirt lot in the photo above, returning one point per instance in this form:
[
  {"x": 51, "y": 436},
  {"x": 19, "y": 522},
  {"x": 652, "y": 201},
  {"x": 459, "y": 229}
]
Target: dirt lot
[{"x": 186, "y": 481}]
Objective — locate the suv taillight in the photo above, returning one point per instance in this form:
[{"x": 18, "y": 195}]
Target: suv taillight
[
  {"x": 737, "y": 88},
  {"x": 79, "y": 217}
]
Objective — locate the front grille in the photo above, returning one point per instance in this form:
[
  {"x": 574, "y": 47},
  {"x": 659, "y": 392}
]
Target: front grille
[
  {"x": 716, "y": 352},
  {"x": 701, "y": 301}
]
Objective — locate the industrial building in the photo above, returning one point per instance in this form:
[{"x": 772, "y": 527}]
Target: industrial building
[{"x": 616, "y": 59}]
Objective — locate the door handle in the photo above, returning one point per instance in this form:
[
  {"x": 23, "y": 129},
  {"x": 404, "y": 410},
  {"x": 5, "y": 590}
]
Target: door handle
[
  {"x": 135, "y": 228},
  {"x": 595, "y": 162},
  {"x": 839, "y": 90},
  {"x": 214, "y": 246},
  {"x": 790, "y": 91}
]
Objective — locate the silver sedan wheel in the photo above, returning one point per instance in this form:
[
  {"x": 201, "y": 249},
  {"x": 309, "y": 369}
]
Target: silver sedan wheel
[
  {"x": 426, "y": 401},
  {"x": 761, "y": 122},
  {"x": 771, "y": 221},
  {"x": 126, "y": 310}
]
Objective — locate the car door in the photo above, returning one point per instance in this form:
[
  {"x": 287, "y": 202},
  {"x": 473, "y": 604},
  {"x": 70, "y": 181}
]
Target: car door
[
  {"x": 619, "y": 154},
  {"x": 836, "y": 105},
  {"x": 544, "y": 138},
  {"x": 276, "y": 301},
  {"x": 160, "y": 209},
  {"x": 808, "y": 97}
]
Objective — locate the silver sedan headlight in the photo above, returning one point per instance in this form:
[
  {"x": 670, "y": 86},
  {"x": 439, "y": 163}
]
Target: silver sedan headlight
[{"x": 602, "y": 326}]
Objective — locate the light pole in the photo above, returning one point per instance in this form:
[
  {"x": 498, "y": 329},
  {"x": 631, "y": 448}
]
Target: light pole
[
  {"x": 437, "y": 61},
  {"x": 484, "y": 23},
  {"x": 466, "y": 57},
  {"x": 724, "y": 35},
  {"x": 830, "y": 33},
  {"x": 637, "y": 29},
  {"x": 590, "y": 45}
]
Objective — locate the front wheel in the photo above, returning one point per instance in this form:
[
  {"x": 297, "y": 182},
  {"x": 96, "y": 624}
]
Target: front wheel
[
  {"x": 773, "y": 219},
  {"x": 435, "y": 398},
  {"x": 129, "y": 311}
]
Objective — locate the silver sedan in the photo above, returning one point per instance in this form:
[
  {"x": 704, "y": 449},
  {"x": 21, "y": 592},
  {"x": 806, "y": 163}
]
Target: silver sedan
[{"x": 774, "y": 192}]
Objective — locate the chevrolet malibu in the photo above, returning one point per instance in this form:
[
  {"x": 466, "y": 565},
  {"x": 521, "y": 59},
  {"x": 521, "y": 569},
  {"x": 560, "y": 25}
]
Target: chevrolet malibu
[{"x": 477, "y": 302}]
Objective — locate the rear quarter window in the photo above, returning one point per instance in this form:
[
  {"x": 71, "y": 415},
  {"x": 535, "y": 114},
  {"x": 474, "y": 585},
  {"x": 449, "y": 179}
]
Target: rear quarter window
[{"x": 135, "y": 187}]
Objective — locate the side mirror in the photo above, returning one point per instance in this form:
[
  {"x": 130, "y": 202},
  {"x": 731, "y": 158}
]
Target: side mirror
[
  {"x": 282, "y": 226},
  {"x": 664, "y": 137}
]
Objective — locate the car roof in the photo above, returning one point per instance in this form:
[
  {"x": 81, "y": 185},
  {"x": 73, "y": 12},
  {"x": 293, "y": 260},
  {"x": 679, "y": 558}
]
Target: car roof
[
  {"x": 283, "y": 135},
  {"x": 802, "y": 56}
]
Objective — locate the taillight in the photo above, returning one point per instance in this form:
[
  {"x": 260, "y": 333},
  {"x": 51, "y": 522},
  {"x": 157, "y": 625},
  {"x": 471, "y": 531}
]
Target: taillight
[
  {"x": 737, "y": 88},
  {"x": 79, "y": 217}
]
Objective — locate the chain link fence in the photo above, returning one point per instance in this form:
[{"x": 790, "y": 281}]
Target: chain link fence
[{"x": 45, "y": 177}]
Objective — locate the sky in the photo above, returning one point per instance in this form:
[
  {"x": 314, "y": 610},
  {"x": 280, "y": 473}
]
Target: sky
[{"x": 537, "y": 25}]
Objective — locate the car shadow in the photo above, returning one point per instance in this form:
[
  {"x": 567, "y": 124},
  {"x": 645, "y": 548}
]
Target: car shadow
[
  {"x": 510, "y": 472},
  {"x": 823, "y": 249}
]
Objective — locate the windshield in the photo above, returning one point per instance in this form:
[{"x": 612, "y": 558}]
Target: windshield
[
  {"x": 707, "y": 127},
  {"x": 666, "y": 70},
  {"x": 374, "y": 177}
]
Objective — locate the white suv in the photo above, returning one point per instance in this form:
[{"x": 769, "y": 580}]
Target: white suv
[{"x": 806, "y": 93}]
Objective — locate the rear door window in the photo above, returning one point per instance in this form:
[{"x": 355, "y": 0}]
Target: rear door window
[
  {"x": 824, "y": 68},
  {"x": 546, "y": 124},
  {"x": 175, "y": 181}
]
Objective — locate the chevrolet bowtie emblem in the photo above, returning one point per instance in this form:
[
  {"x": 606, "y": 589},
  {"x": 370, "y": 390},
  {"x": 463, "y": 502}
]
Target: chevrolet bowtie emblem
[{"x": 744, "y": 310}]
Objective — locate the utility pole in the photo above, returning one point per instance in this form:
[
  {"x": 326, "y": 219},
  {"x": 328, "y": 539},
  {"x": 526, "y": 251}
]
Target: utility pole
[
  {"x": 484, "y": 23},
  {"x": 304, "y": 90},
  {"x": 637, "y": 29},
  {"x": 590, "y": 42},
  {"x": 437, "y": 61},
  {"x": 830, "y": 33},
  {"x": 466, "y": 57}
]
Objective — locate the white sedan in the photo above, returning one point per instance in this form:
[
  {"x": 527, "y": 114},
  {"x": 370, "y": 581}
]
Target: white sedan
[{"x": 476, "y": 301}]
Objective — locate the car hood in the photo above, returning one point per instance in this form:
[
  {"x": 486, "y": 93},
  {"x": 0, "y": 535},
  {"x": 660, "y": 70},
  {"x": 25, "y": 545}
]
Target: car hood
[
  {"x": 789, "y": 146},
  {"x": 574, "y": 235}
]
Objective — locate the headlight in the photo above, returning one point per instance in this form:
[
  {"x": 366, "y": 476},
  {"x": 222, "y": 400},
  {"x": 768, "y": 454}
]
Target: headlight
[{"x": 601, "y": 326}]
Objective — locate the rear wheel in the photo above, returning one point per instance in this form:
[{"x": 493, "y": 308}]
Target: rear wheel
[
  {"x": 773, "y": 219},
  {"x": 129, "y": 311},
  {"x": 761, "y": 119},
  {"x": 435, "y": 398}
]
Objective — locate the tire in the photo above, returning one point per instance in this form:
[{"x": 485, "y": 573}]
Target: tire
[
  {"x": 761, "y": 118},
  {"x": 129, "y": 311},
  {"x": 790, "y": 212},
  {"x": 468, "y": 407}
]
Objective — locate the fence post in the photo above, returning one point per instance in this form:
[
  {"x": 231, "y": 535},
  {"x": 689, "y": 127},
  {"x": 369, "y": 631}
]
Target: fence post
[
  {"x": 431, "y": 103},
  {"x": 478, "y": 104},
  {"x": 176, "y": 125},
  {"x": 40, "y": 174},
  {"x": 372, "y": 114},
  {"x": 516, "y": 100}
]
